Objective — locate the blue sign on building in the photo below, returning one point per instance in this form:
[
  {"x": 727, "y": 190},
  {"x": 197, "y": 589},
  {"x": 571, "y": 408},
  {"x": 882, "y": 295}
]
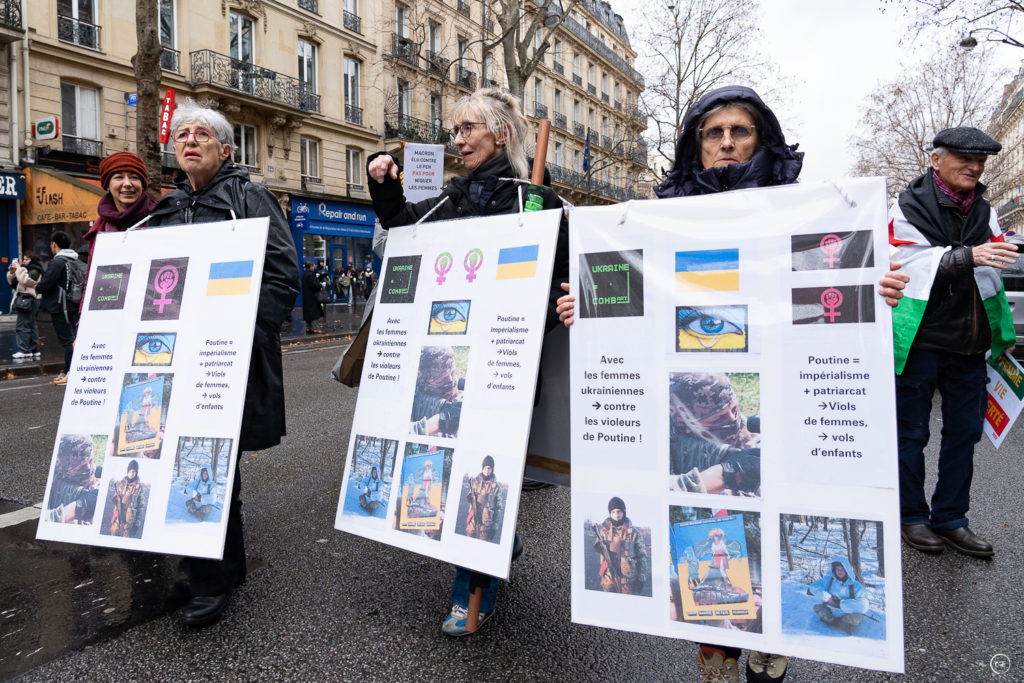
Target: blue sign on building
[
  {"x": 12, "y": 185},
  {"x": 328, "y": 217}
]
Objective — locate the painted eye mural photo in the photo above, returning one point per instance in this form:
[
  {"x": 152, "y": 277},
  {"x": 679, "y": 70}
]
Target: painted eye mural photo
[
  {"x": 449, "y": 317},
  {"x": 711, "y": 328},
  {"x": 154, "y": 348}
]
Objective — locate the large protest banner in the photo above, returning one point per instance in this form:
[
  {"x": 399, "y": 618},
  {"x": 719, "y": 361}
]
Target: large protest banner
[
  {"x": 148, "y": 435},
  {"x": 732, "y": 393},
  {"x": 435, "y": 460}
]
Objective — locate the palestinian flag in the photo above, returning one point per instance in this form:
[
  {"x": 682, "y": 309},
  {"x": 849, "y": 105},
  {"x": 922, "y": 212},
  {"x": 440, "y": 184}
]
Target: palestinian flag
[{"x": 920, "y": 260}]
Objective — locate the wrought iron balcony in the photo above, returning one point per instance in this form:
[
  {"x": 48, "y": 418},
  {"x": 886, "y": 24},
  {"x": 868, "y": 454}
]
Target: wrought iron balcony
[
  {"x": 85, "y": 146},
  {"x": 308, "y": 180},
  {"x": 310, "y": 5},
  {"x": 352, "y": 21},
  {"x": 558, "y": 67},
  {"x": 491, "y": 83},
  {"x": 591, "y": 88},
  {"x": 540, "y": 110},
  {"x": 438, "y": 63},
  {"x": 577, "y": 129},
  {"x": 566, "y": 176},
  {"x": 618, "y": 105},
  {"x": 169, "y": 160},
  {"x": 169, "y": 60},
  {"x": 577, "y": 80},
  {"x": 10, "y": 14},
  {"x": 405, "y": 49},
  {"x": 465, "y": 78},
  {"x": 212, "y": 68},
  {"x": 354, "y": 114},
  {"x": 639, "y": 153},
  {"x": 605, "y": 98},
  {"x": 78, "y": 32},
  {"x": 252, "y": 170},
  {"x": 489, "y": 25},
  {"x": 463, "y": 8},
  {"x": 560, "y": 121},
  {"x": 595, "y": 137},
  {"x": 414, "y": 130},
  {"x": 635, "y": 114},
  {"x": 592, "y": 41}
]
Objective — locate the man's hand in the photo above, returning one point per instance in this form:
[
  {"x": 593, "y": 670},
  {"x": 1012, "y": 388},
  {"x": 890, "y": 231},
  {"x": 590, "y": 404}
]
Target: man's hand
[
  {"x": 999, "y": 255},
  {"x": 383, "y": 166},
  {"x": 892, "y": 284},
  {"x": 566, "y": 307}
]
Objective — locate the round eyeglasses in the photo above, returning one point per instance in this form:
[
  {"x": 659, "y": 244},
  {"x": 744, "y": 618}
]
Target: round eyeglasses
[{"x": 735, "y": 132}]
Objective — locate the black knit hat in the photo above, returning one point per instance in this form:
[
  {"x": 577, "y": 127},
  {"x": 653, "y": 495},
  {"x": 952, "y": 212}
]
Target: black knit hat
[
  {"x": 134, "y": 465},
  {"x": 616, "y": 503},
  {"x": 966, "y": 140},
  {"x": 488, "y": 462}
]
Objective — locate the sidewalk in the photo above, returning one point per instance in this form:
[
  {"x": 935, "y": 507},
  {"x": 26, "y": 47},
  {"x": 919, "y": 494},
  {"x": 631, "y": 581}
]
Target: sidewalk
[{"x": 339, "y": 323}]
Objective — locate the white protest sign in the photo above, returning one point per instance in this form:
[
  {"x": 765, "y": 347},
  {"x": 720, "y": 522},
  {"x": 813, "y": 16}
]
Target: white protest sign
[
  {"x": 148, "y": 435},
  {"x": 732, "y": 394},
  {"x": 422, "y": 171},
  {"x": 439, "y": 436},
  {"x": 1005, "y": 397}
]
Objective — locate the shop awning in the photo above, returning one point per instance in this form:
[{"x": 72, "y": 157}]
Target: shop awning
[{"x": 55, "y": 197}]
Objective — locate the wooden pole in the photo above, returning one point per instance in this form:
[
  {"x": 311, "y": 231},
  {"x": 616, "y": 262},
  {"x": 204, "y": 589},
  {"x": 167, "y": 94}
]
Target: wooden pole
[
  {"x": 543, "y": 131},
  {"x": 473, "y": 611}
]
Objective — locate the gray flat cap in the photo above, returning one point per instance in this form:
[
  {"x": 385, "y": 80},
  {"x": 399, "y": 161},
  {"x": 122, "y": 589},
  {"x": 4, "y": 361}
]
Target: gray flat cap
[{"x": 966, "y": 140}]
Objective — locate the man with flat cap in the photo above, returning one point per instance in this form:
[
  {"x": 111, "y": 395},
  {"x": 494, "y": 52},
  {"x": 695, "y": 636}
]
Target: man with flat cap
[{"x": 947, "y": 239}]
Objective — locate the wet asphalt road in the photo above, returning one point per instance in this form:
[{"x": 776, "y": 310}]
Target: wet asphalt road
[{"x": 320, "y": 604}]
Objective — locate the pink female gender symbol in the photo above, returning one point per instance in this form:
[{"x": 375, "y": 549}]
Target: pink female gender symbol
[
  {"x": 832, "y": 299},
  {"x": 831, "y": 245},
  {"x": 165, "y": 281}
]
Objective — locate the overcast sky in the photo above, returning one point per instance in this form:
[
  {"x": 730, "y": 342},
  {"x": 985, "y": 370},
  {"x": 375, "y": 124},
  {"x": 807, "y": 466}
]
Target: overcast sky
[{"x": 836, "y": 52}]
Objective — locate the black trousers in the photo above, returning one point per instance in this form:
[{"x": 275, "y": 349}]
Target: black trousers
[
  {"x": 65, "y": 329},
  {"x": 214, "y": 577}
]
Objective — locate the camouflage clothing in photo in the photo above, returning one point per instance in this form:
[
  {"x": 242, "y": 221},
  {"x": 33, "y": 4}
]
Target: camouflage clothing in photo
[
  {"x": 129, "y": 508},
  {"x": 627, "y": 555},
  {"x": 484, "y": 507}
]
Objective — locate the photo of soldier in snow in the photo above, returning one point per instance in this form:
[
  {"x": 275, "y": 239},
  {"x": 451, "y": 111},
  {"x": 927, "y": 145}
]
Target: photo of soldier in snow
[
  {"x": 622, "y": 554},
  {"x": 372, "y": 467},
  {"x": 833, "y": 581},
  {"x": 440, "y": 379},
  {"x": 482, "y": 506},
  {"x": 714, "y": 444},
  {"x": 198, "y": 481}
]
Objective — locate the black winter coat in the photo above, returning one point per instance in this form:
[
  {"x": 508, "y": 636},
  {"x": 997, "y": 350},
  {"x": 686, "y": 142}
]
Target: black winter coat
[
  {"x": 498, "y": 195},
  {"x": 311, "y": 308},
  {"x": 230, "y": 191}
]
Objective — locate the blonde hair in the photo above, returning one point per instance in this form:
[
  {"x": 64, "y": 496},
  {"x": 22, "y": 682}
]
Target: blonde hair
[{"x": 501, "y": 114}]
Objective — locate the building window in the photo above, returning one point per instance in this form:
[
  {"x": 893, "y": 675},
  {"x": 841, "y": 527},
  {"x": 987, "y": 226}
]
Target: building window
[
  {"x": 404, "y": 98},
  {"x": 354, "y": 171},
  {"x": 576, "y": 115},
  {"x": 576, "y": 60},
  {"x": 307, "y": 65},
  {"x": 245, "y": 147},
  {"x": 353, "y": 111},
  {"x": 76, "y": 23},
  {"x": 592, "y": 75},
  {"x": 310, "y": 160},
  {"x": 435, "y": 117},
  {"x": 80, "y": 109},
  {"x": 463, "y": 46},
  {"x": 556, "y": 52},
  {"x": 538, "y": 92},
  {"x": 577, "y": 161},
  {"x": 559, "y": 153},
  {"x": 434, "y": 38},
  {"x": 241, "y": 38},
  {"x": 350, "y": 15},
  {"x": 169, "y": 35},
  {"x": 402, "y": 20}
]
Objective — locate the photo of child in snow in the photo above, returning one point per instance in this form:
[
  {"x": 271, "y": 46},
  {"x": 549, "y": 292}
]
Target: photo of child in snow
[
  {"x": 616, "y": 552},
  {"x": 142, "y": 415},
  {"x": 372, "y": 468},
  {"x": 482, "y": 504},
  {"x": 440, "y": 380},
  {"x": 76, "y": 479},
  {"x": 715, "y": 572},
  {"x": 714, "y": 433},
  {"x": 199, "y": 480},
  {"x": 425, "y": 472},
  {"x": 127, "y": 501},
  {"x": 833, "y": 580}
]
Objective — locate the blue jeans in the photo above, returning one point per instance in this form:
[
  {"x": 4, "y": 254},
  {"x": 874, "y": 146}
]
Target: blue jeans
[
  {"x": 26, "y": 330},
  {"x": 961, "y": 383},
  {"x": 461, "y": 587}
]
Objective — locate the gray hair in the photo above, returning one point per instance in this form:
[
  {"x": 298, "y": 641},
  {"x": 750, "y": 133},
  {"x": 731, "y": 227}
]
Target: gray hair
[
  {"x": 941, "y": 151},
  {"x": 191, "y": 111},
  {"x": 501, "y": 114},
  {"x": 755, "y": 115}
]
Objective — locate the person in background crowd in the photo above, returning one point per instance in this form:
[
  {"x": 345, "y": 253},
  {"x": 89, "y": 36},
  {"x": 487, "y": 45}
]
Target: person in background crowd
[
  {"x": 23, "y": 276},
  {"x": 211, "y": 187},
  {"x": 948, "y": 237},
  {"x": 52, "y": 288},
  {"x": 312, "y": 309}
]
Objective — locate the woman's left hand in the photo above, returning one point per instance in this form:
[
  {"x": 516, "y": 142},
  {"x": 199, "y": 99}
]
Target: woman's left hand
[
  {"x": 892, "y": 284},
  {"x": 566, "y": 306}
]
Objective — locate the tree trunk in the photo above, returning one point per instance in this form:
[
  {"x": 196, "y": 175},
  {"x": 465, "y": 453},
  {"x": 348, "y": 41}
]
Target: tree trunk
[
  {"x": 785, "y": 544},
  {"x": 147, "y": 81},
  {"x": 855, "y": 534},
  {"x": 880, "y": 548},
  {"x": 215, "y": 458}
]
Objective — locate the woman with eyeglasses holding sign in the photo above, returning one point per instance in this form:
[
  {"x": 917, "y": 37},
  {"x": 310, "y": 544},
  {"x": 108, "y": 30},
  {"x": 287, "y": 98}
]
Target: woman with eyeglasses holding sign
[{"x": 490, "y": 134}]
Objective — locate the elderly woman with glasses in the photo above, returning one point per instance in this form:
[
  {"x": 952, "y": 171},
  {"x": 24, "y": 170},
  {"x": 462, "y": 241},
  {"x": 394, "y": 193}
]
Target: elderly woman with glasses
[
  {"x": 490, "y": 134},
  {"x": 211, "y": 187}
]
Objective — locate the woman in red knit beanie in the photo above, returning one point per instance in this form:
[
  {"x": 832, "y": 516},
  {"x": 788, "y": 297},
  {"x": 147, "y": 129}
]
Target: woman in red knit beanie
[{"x": 123, "y": 176}]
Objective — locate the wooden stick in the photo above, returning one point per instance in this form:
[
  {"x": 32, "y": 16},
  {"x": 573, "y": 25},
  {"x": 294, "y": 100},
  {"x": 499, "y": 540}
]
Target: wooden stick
[
  {"x": 543, "y": 130},
  {"x": 473, "y": 611}
]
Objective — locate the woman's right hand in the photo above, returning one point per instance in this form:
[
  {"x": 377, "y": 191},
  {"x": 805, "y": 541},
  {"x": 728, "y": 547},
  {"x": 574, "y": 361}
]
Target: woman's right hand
[
  {"x": 566, "y": 306},
  {"x": 382, "y": 167}
]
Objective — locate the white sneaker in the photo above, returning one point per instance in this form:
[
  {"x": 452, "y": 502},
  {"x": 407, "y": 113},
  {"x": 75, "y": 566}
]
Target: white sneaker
[
  {"x": 37, "y": 355},
  {"x": 18, "y": 355}
]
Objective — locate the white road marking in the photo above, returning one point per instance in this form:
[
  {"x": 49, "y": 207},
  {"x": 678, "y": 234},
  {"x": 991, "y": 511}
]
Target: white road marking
[{"x": 22, "y": 515}]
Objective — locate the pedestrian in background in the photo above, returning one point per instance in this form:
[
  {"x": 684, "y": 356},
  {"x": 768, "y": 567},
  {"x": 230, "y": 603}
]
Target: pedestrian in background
[
  {"x": 312, "y": 309},
  {"x": 23, "y": 276},
  {"x": 64, "y": 274},
  {"x": 211, "y": 187}
]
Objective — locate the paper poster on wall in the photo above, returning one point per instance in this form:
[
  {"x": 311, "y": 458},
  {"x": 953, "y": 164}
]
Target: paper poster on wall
[
  {"x": 731, "y": 380},
  {"x": 451, "y": 362},
  {"x": 147, "y": 440}
]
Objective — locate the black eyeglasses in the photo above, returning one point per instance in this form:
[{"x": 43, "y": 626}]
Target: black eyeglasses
[
  {"x": 466, "y": 128},
  {"x": 200, "y": 134},
  {"x": 718, "y": 132}
]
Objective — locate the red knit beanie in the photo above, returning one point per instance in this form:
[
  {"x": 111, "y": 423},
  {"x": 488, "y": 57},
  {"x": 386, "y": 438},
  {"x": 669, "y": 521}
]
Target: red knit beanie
[{"x": 122, "y": 161}]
